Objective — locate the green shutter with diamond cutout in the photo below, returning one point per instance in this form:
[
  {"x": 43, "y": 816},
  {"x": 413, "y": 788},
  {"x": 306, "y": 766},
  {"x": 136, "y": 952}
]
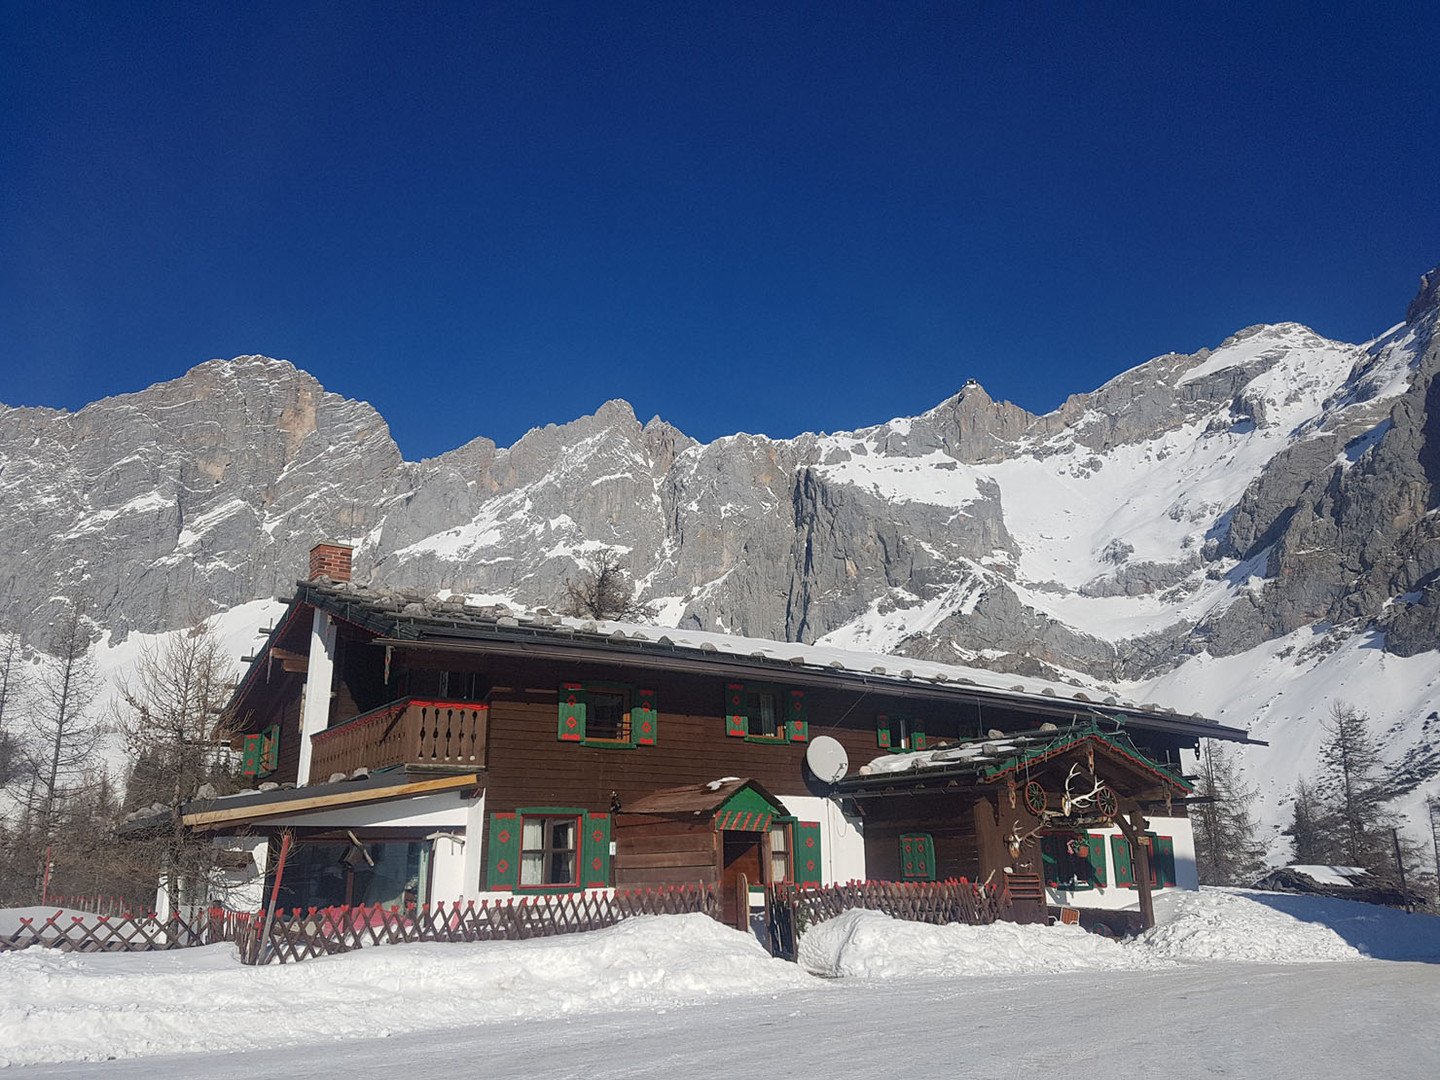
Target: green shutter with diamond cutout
[
  {"x": 572, "y": 713},
  {"x": 645, "y": 718},
  {"x": 1050, "y": 847},
  {"x": 1097, "y": 860},
  {"x": 595, "y": 852},
  {"x": 737, "y": 724},
  {"x": 502, "y": 855},
  {"x": 270, "y": 751},
  {"x": 1124, "y": 866},
  {"x": 917, "y": 736},
  {"x": 807, "y": 853},
  {"x": 252, "y": 752},
  {"x": 882, "y": 731},
  {"x": 917, "y": 857},
  {"x": 1162, "y": 854},
  {"x": 797, "y": 722}
]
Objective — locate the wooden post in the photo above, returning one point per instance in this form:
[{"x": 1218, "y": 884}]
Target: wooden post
[
  {"x": 1133, "y": 825},
  {"x": 274, "y": 895}
]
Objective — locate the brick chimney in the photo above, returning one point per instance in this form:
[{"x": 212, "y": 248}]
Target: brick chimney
[{"x": 332, "y": 560}]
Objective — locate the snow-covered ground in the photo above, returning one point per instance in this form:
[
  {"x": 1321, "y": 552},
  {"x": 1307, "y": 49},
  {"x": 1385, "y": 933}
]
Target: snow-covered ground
[{"x": 1201, "y": 995}]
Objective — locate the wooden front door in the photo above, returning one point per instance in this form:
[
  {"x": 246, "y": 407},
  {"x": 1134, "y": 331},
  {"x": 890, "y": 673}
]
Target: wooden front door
[{"x": 741, "y": 856}]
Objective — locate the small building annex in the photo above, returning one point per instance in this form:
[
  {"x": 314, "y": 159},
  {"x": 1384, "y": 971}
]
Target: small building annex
[{"x": 425, "y": 750}]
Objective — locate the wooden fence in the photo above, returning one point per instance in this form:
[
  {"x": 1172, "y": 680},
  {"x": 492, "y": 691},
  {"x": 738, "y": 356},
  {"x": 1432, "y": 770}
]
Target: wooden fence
[
  {"x": 302, "y": 934},
  {"x": 790, "y": 910},
  {"x": 126, "y": 933}
]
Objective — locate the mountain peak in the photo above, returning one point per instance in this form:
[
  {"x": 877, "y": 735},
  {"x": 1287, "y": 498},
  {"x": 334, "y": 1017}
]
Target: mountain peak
[{"x": 1427, "y": 300}]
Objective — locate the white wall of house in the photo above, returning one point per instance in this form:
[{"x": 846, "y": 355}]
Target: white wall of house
[
  {"x": 842, "y": 840},
  {"x": 319, "y": 684},
  {"x": 1119, "y": 898}
]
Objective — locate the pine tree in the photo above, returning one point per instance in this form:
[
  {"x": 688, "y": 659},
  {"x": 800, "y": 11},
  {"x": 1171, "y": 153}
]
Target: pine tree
[
  {"x": 1311, "y": 841},
  {"x": 1353, "y": 792},
  {"x": 1226, "y": 849},
  {"x": 169, "y": 713},
  {"x": 12, "y": 688}
]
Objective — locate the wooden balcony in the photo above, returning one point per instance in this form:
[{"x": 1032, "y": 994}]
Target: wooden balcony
[{"x": 430, "y": 736}]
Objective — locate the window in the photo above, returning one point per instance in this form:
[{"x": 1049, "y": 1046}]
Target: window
[
  {"x": 779, "y": 853},
  {"x": 763, "y": 713},
  {"x": 548, "y": 851},
  {"x": 260, "y": 753},
  {"x": 1162, "y": 861},
  {"x": 1074, "y": 861},
  {"x": 917, "y": 857},
  {"x": 606, "y": 714},
  {"x": 900, "y": 733}
]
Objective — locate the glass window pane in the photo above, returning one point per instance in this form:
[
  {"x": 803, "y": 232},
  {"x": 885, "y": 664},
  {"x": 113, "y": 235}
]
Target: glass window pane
[
  {"x": 562, "y": 833},
  {"x": 562, "y": 868},
  {"x": 533, "y": 834},
  {"x": 532, "y": 868}
]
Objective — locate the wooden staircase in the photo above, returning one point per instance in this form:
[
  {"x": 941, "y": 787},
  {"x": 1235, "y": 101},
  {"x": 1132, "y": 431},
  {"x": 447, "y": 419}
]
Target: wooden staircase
[{"x": 1027, "y": 898}]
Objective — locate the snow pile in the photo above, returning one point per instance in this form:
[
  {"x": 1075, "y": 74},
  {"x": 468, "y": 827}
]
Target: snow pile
[
  {"x": 1191, "y": 927},
  {"x": 1214, "y": 924},
  {"x": 871, "y": 945},
  {"x": 64, "y": 1007}
]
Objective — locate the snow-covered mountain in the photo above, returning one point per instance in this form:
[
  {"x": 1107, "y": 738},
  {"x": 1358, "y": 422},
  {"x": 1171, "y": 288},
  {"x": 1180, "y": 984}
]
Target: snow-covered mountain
[{"x": 1248, "y": 532}]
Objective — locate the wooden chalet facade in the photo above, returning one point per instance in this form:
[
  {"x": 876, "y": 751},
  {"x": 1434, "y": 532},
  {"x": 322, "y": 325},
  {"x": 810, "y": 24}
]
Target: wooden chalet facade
[{"x": 428, "y": 750}]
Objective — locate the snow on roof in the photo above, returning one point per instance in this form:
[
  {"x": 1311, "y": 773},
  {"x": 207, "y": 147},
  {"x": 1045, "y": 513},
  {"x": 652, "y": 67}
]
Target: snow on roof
[
  {"x": 1342, "y": 876},
  {"x": 439, "y": 616}
]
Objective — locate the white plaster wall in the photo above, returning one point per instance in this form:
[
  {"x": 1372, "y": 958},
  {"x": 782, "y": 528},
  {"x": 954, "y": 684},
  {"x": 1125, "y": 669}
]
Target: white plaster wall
[
  {"x": 319, "y": 685},
  {"x": 444, "y": 809},
  {"x": 1115, "y": 898},
  {"x": 842, "y": 840}
]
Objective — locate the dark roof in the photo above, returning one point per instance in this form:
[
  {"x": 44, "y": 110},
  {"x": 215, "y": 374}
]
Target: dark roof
[
  {"x": 408, "y": 618},
  {"x": 697, "y": 798}
]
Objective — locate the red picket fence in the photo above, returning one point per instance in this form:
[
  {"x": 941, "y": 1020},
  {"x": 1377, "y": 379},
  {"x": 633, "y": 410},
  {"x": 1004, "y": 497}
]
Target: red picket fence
[
  {"x": 302, "y": 934},
  {"x": 126, "y": 933}
]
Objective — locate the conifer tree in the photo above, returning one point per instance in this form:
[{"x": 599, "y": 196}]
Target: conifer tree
[
  {"x": 1311, "y": 842},
  {"x": 1226, "y": 849},
  {"x": 1353, "y": 793}
]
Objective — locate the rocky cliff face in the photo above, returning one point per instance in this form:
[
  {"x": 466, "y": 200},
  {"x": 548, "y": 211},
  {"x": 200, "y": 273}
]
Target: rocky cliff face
[{"x": 1195, "y": 504}]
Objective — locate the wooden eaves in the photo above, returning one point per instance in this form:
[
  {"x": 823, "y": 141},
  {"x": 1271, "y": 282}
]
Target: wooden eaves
[{"x": 368, "y": 794}]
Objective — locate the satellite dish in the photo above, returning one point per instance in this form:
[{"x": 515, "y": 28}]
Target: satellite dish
[{"x": 826, "y": 758}]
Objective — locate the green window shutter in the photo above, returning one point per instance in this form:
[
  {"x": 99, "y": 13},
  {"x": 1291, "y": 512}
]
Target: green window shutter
[
  {"x": 807, "y": 853},
  {"x": 252, "y": 751},
  {"x": 595, "y": 852},
  {"x": 917, "y": 857},
  {"x": 737, "y": 724},
  {"x": 796, "y": 721},
  {"x": 882, "y": 731},
  {"x": 572, "y": 713},
  {"x": 1124, "y": 867},
  {"x": 1164, "y": 857},
  {"x": 1050, "y": 848},
  {"x": 502, "y": 857},
  {"x": 917, "y": 736},
  {"x": 270, "y": 752},
  {"x": 645, "y": 719},
  {"x": 1097, "y": 860}
]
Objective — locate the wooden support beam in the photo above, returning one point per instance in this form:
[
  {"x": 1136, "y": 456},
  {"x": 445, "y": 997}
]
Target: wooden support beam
[
  {"x": 334, "y": 798},
  {"x": 1132, "y": 825}
]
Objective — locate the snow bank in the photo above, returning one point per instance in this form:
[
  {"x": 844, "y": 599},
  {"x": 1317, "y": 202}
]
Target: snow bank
[
  {"x": 64, "y": 1007},
  {"x": 868, "y": 944},
  {"x": 1191, "y": 927},
  {"x": 1216, "y": 924}
]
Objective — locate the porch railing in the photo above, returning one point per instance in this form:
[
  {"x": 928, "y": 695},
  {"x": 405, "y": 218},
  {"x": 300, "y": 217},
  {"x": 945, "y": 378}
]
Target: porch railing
[{"x": 410, "y": 731}]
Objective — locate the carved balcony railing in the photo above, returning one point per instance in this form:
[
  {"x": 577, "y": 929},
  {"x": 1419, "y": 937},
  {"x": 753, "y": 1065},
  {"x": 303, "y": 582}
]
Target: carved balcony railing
[{"x": 415, "y": 732}]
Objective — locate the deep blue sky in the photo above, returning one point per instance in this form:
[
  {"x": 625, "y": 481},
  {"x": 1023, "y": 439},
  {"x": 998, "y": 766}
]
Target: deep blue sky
[{"x": 487, "y": 217}]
